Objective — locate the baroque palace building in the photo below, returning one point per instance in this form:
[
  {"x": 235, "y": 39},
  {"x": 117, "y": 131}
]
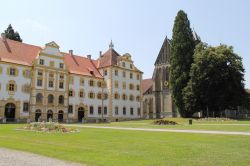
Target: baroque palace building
[{"x": 45, "y": 83}]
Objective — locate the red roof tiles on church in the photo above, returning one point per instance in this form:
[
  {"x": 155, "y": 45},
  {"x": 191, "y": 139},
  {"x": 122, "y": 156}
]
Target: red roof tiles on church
[{"x": 146, "y": 84}]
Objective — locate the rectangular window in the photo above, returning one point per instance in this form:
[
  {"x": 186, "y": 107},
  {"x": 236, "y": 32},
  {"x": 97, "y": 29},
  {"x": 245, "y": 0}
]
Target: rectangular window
[
  {"x": 124, "y": 110},
  {"x": 70, "y": 93},
  {"x": 116, "y": 72},
  {"x": 105, "y": 72},
  {"x": 51, "y": 75},
  {"x": 138, "y": 111},
  {"x": 99, "y": 110},
  {"x": 11, "y": 87},
  {"x": 70, "y": 110},
  {"x": 91, "y": 110},
  {"x": 131, "y": 111},
  {"x": 116, "y": 84},
  {"x": 41, "y": 62},
  {"x": 124, "y": 74},
  {"x": 61, "y": 65},
  {"x": 61, "y": 76},
  {"x": 40, "y": 73},
  {"x": 105, "y": 110},
  {"x": 25, "y": 107},
  {"x": 137, "y": 76},
  {"x": 12, "y": 71},
  {"x": 131, "y": 75},
  {"x": 124, "y": 85},
  {"x": 81, "y": 94},
  {"x": 51, "y": 84},
  {"x": 81, "y": 81},
  {"x": 51, "y": 63},
  {"x": 39, "y": 82},
  {"x": 61, "y": 85},
  {"x": 91, "y": 83},
  {"x": 116, "y": 110},
  {"x": 123, "y": 64},
  {"x": 131, "y": 66}
]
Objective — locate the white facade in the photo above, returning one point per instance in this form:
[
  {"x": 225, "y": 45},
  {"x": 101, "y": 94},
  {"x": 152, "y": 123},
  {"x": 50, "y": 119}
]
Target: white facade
[{"x": 52, "y": 87}]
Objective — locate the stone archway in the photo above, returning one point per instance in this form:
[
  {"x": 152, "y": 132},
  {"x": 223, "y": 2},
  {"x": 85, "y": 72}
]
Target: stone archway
[
  {"x": 49, "y": 115},
  {"x": 10, "y": 111},
  {"x": 38, "y": 114},
  {"x": 81, "y": 114},
  {"x": 60, "y": 116}
]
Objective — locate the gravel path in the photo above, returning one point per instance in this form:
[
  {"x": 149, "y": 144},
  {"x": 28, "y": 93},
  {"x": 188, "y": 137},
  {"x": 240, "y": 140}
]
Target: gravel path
[
  {"x": 18, "y": 158},
  {"x": 167, "y": 130}
]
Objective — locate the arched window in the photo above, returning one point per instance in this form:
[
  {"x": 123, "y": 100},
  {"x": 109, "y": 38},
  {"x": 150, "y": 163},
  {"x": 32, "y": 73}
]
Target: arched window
[
  {"x": 50, "y": 99},
  {"x": 61, "y": 99},
  {"x": 39, "y": 98}
]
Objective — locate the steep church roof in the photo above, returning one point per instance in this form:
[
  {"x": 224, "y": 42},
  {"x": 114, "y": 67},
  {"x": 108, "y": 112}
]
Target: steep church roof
[{"x": 164, "y": 54}]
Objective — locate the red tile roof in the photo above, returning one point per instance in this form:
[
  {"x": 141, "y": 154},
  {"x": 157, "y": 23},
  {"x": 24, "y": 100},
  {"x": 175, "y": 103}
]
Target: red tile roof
[
  {"x": 109, "y": 58},
  {"x": 17, "y": 52},
  {"x": 81, "y": 65},
  {"x": 20, "y": 53},
  {"x": 146, "y": 84}
]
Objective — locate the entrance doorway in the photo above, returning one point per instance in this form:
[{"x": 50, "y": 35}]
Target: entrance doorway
[
  {"x": 38, "y": 114},
  {"x": 9, "y": 113},
  {"x": 49, "y": 115},
  {"x": 80, "y": 114},
  {"x": 60, "y": 116}
]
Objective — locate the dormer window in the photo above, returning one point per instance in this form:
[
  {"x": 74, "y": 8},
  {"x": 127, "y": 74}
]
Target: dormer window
[{"x": 41, "y": 62}]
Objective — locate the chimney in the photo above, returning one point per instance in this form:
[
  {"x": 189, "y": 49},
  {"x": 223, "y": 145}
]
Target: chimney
[
  {"x": 100, "y": 53},
  {"x": 89, "y": 56},
  {"x": 3, "y": 36},
  {"x": 71, "y": 52}
]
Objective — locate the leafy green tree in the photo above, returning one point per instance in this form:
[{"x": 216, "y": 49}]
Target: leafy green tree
[
  {"x": 11, "y": 34},
  {"x": 216, "y": 81},
  {"x": 182, "y": 49}
]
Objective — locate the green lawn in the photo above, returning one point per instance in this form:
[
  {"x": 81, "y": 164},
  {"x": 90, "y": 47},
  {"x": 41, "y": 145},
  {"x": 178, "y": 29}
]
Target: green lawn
[
  {"x": 231, "y": 125},
  {"x": 100, "y": 147}
]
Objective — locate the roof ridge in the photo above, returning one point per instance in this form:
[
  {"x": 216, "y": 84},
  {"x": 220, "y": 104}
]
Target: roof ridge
[{"x": 21, "y": 43}]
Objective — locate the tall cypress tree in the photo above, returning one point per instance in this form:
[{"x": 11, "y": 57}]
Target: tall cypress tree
[
  {"x": 182, "y": 50},
  {"x": 11, "y": 34}
]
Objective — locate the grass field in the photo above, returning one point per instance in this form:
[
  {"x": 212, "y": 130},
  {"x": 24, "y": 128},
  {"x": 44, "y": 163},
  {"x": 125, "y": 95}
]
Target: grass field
[
  {"x": 105, "y": 147},
  {"x": 230, "y": 125}
]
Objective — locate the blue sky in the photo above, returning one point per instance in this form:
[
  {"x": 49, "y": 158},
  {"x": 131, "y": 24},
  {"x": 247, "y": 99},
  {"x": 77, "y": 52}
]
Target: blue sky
[{"x": 135, "y": 26}]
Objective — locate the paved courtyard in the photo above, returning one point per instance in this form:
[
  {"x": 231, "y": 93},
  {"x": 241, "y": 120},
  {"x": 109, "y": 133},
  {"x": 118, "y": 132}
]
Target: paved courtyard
[{"x": 18, "y": 158}]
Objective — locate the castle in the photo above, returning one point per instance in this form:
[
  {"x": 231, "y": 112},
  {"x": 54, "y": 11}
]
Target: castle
[{"x": 42, "y": 83}]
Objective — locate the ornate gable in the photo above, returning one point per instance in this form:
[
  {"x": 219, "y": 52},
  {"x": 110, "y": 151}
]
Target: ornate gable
[{"x": 52, "y": 44}]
